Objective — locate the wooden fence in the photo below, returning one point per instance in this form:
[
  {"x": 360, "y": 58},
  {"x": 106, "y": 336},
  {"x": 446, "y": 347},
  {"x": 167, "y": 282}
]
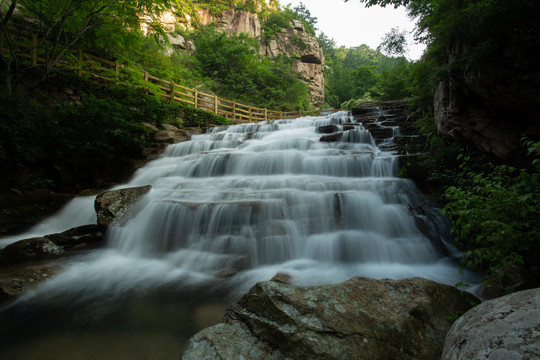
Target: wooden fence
[{"x": 111, "y": 70}]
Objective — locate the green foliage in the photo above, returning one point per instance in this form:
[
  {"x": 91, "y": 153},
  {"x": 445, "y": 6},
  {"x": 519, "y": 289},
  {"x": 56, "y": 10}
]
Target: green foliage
[
  {"x": 23, "y": 129},
  {"x": 192, "y": 117},
  {"x": 231, "y": 67},
  {"x": 496, "y": 215},
  {"x": 276, "y": 22},
  {"x": 393, "y": 83},
  {"x": 303, "y": 14},
  {"x": 362, "y": 74},
  {"x": 86, "y": 138},
  {"x": 394, "y": 43}
]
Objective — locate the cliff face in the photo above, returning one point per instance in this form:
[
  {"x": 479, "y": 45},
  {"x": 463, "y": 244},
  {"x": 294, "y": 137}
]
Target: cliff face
[
  {"x": 294, "y": 42},
  {"x": 299, "y": 44},
  {"x": 492, "y": 108}
]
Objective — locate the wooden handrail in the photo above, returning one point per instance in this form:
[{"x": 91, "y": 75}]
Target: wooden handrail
[{"x": 200, "y": 100}]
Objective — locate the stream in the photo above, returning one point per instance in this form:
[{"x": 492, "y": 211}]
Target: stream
[{"x": 227, "y": 209}]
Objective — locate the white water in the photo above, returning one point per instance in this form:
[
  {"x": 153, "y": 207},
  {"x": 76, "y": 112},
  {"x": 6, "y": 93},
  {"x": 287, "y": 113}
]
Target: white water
[
  {"x": 262, "y": 199},
  {"x": 249, "y": 201}
]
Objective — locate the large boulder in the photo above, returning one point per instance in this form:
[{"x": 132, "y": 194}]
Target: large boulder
[
  {"x": 115, "y": 204},
  {"x": 506, "y": 328},
  {"x": 359, "y": 319}
]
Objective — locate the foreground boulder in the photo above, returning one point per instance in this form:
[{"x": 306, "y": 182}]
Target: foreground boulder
[
  {"x": 359, "y": 319},
  {"x": 114, "y": 204},
  {"x": 504, "y": 328}
]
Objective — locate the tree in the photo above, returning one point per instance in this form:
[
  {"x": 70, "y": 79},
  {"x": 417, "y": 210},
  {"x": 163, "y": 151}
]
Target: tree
[
  {"x": 61, "y": 24},
  {"x": 394, "y": 43},
  {"x": 7, "y": 8}
]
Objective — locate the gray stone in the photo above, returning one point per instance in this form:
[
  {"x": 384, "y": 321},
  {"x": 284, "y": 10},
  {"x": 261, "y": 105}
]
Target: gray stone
[
  {"x": 359, "y": 319},
  {"x": 32, "y": 249},
  {"x": 116, "y": 204},
  {"x": 505, "y": 328}
]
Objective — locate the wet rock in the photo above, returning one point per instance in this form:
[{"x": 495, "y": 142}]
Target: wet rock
[
  {"x": 15, "y": 281},
  {"x": 327, "y": 129},
  {"x": 380, "y": 133},
  {"x": 32, "y": 249},
  {"x": 115, "y": 204},
  {"x": 411, "y": 144},
  {"x": 282, "y": 278},
  {"x": 79, "y": 236},
  {"x": 359, "y": 319},
  {"x": 334, "y": 137},
  {"x": 508, "y": 279},
  {"x": 504, "y": 328}
]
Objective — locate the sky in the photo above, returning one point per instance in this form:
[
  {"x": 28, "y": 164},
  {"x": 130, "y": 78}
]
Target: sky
[{"x": 351, "y": 24}]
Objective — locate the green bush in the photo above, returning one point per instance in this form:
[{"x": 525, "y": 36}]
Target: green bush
[
  {"x": 198, "y": 118},
  {"x": 496, "y": 215},
  {"x": 233, "y": 69},
  {"x": 87, "y": 138}
]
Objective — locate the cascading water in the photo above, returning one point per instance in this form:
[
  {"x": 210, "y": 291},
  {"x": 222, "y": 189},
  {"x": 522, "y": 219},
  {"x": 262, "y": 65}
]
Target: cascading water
[{"x": 241, "y": 203}]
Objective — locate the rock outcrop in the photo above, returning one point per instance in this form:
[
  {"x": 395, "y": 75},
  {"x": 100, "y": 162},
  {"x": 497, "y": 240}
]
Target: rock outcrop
[
  {"x": 235, "y": 22},
  {"x": 117, "y": 204},
  {"x": 504, "y": 328},
  {"x": 294, "y": 42},
  {"x": 491, "y": 108},
  {"x": 359, "y": 319},
  {"x": 297, "y": 43}
]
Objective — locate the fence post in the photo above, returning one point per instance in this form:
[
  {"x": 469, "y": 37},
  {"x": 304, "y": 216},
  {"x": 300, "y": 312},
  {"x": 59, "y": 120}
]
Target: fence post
[
  {"x": 195, "y": 98},
  {"x": 234, "y": 110},
  {"x": 34, "y": 49},
  {"x": 281, "y": 114},
  {"x": 171, "y": 92},
  {"x": 250, "y": 113},
  {"x": 79, "y": 58},
  {"x": 215, "y": 104},
  {"x": 146, "y": 76},
  {"x": 265, "y": 114},
  {"x": 116, "y": 68}
]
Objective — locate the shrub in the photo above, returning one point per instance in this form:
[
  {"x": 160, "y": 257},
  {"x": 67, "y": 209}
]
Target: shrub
[{"x": 496, "y": 215}]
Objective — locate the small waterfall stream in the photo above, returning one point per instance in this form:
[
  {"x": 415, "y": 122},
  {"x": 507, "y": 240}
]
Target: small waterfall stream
[{"x": 230, "y": 208}]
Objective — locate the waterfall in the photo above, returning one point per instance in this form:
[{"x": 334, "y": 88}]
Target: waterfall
[{"x": 241, "y": 203}]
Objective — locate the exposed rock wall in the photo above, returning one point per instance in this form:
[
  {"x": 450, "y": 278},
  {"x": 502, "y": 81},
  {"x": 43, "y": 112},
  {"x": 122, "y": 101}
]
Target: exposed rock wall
[
  {"x": 294, "y": 42},
  {"x": 297, "y": 43},
  {"x": 491, "y": 108}
]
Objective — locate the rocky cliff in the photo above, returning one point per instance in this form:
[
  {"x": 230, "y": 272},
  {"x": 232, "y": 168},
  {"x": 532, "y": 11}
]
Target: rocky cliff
[
  {"x": 297, "y": 43},
  {"x": 491, "y": 108},
  {"x": 294, "y": 42}
]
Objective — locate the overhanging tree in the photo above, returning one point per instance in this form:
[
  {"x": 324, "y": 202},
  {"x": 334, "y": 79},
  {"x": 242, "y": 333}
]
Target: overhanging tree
[{"x": 61, "y": 24}]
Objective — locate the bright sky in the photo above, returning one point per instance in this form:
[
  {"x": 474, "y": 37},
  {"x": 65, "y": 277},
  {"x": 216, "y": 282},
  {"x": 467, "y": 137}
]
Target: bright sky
[{"x": 352, "y": 24}]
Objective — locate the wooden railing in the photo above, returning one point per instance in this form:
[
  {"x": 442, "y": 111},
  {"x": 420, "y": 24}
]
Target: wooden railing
[{"x": 111, "y": 70}]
